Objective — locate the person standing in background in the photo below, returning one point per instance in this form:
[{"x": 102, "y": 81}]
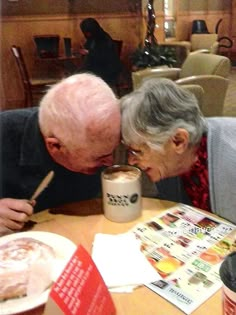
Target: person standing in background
[{"x": 100, "y": 52}]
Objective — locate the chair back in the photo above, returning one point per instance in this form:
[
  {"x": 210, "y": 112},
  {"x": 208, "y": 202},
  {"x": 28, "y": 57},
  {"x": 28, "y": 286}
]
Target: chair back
[
  {"x": 156, "y": 72},
  {"x": 17, "y": 53},
  {"x": 118, "y": 44},
  {"x": 198, "y": 92},
  {"x": 198, "y": 64},
  {"x": 208, "y": 71},
  {"x": 67, "y": 46},
  {"x": 205, "y": 41},
  {"x": 215, "y": 88},
  {"x": 47, "y": 45}
]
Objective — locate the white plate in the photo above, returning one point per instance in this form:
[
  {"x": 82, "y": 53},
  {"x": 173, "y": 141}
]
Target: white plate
[{"x": 63, "y": 247}]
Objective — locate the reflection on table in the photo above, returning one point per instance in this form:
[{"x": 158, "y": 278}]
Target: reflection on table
[{"x": 80, "y": 221}]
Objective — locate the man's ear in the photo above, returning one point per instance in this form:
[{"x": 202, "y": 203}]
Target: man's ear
[
  {"x": 180, "y": 140},
  {"x": 53, "y": 145}
]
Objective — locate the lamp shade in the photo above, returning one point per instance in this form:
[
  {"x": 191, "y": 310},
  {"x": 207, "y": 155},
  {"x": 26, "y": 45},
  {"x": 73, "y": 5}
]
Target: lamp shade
[{"x": 199, "y": 27}]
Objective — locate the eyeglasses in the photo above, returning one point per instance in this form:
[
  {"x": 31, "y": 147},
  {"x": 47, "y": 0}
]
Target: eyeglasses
[{"x": 138, "y": 154}]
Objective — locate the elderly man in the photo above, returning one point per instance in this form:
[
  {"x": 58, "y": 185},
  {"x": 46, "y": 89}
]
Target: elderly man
[{"x": 74, "y": 133}]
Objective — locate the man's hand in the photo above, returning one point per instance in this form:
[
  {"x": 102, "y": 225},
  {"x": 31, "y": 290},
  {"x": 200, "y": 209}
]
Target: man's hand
[
  {"x": 83, "y": 51},
  {"x": 13, "y": 214}
]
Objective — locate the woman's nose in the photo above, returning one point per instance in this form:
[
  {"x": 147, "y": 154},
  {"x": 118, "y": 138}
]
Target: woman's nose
[{"x": 132, "y": 160}]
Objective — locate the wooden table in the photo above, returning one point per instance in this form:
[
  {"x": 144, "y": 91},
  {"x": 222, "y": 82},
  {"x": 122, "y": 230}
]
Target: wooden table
[
  {"x": 80, "y": 226},
  {"x": 62, "y": 58},
  {"x": 56, "y": 66}
]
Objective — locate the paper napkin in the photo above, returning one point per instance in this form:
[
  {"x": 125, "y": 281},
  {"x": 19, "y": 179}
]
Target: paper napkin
[{"x": 121, "y": 263}]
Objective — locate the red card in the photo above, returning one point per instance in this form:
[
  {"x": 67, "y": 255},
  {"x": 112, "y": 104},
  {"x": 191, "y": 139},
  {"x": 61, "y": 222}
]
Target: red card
[{"x": 80, "y": 289}]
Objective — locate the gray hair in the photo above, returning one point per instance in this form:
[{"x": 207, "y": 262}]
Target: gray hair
[{"x": 152, "y": 113}]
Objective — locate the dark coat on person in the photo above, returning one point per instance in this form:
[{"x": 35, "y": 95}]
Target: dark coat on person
[{"x": 102, "y": 59}]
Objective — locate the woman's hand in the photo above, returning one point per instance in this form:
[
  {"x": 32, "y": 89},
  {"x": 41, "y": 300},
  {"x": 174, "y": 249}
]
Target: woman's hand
[{"x": 14, "y": 213}]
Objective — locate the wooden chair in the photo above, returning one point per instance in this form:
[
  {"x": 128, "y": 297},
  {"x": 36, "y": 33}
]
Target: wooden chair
[
  {"x": 118, "y": 44},
  {"x": 30, "y": 85}
]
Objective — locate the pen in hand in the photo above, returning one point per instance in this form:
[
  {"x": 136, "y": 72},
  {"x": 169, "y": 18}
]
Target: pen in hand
[{"x": 44, "y": 183}]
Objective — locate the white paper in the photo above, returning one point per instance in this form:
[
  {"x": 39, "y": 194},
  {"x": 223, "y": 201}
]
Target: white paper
[{"x": 121, "y": 263}]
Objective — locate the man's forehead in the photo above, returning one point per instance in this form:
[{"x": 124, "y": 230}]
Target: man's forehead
[
  {"x": 103, "y": 148},
  {"x": 104, "y": 135}
]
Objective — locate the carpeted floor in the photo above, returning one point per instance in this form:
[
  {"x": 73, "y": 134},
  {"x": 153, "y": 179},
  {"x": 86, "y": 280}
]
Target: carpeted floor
[{"x": 230, "y": 99}]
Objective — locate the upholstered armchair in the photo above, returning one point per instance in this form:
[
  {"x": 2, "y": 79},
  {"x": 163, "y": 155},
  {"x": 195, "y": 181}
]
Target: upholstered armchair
[
  {"x": 206, "y": 70},
  {"x": 205, "y": 43},
  {"x": 198, "y": 92}
]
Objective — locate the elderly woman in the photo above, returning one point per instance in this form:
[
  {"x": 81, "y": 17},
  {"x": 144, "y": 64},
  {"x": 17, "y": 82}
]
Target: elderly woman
[{"x": 192, "y": 159}]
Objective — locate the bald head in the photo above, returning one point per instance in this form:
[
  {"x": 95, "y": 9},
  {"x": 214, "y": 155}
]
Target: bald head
[
  {"x": 79, "y": 108},
  {"x": 80, "y": 122}
]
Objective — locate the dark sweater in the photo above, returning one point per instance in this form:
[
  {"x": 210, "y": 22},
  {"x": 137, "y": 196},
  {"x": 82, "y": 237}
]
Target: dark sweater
[{"x": 25, "y": 161}]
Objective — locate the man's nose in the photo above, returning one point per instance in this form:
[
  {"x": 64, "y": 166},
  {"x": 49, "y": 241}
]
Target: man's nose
[{"x": 107, "y": 160}]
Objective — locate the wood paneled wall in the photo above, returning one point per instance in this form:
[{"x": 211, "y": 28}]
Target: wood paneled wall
[
  {"x": 20, "y": 31},
  {"x": 127, "y": 26},
  {"x": 210, "y": 11},
  {"x": 43, "y": 7}
]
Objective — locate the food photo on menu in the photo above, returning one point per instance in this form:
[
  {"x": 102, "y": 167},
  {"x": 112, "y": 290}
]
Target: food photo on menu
[{"x": 186, "y": 247}]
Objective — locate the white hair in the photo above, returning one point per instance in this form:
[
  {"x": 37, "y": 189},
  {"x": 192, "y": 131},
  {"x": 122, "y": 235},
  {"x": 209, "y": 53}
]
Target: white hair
[{"x": 75, "y": 106}]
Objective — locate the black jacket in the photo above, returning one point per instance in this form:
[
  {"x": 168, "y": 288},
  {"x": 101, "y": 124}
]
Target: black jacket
[
  {"x": 25, "y": 162},
  {"x": 102, "y": 59}
]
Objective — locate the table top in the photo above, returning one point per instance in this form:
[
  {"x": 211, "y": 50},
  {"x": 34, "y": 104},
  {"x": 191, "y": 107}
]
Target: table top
[
  {"x": 61, "y": 57},
  {"x": 58, "y": 67},
  {"x": 80, "y": 221}
]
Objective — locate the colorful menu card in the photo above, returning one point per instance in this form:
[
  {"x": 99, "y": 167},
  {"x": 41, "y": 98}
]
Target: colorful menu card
[
  {"x": 80, "y": 289},
  {"x": 186, "y": 247}
]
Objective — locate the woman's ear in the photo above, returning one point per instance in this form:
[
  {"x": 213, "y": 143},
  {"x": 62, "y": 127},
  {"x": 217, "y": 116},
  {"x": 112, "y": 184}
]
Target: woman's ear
[
  {"x": 180, "y": 140},
  {"x": 53, "y": 145}
]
